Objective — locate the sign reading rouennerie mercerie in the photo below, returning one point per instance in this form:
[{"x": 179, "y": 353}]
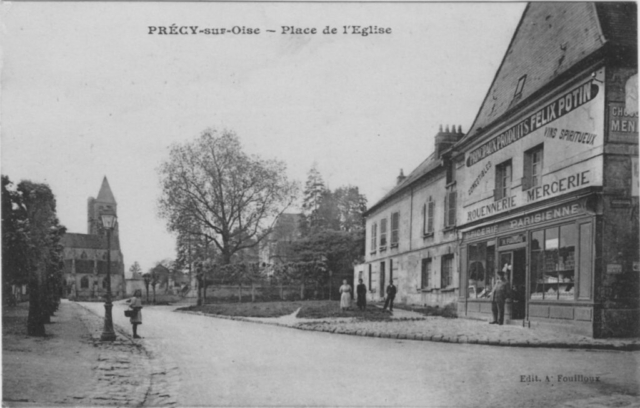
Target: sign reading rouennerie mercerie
[{"x": 567, "y": 133}]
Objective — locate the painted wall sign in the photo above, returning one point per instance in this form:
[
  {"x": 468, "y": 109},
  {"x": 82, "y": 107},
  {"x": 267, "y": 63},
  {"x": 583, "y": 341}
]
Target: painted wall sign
[
  {"x": 614, "y": 268},
  {"x": 552, "y": 111},
  {"x": 634, "y": 176},
  {"x": 513, "y": 239},
  {"x": 570, "y": 131},
  {"x": 622, "y": 124}
]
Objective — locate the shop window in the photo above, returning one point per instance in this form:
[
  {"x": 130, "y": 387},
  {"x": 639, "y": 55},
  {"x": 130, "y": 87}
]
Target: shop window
[
  {"x": 503, "y": 180},
  {"x": 395, "y": 227},
  {"x": 533, "y": 161},
  {"x": 586, "y": 265},
  {"x": 374, "y": 233},
  {"x": 450, "y": 208},
  {"x": 383, "y": 234},
  {"x": 84, "y": 283},
  {"x": 481, "y": 269},
  {"x": 553, "y": 263},
  {"x": 446, "y": 273},
  {"x": 426, "y": 273}
]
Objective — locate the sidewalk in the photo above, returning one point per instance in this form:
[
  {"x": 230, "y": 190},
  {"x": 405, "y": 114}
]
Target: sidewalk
[
  {"x": 414, "y": 326},
  {"x": 70, "y": 366}
]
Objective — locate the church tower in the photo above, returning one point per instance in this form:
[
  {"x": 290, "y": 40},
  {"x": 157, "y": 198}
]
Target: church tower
[{"x": 105, "y": 202}]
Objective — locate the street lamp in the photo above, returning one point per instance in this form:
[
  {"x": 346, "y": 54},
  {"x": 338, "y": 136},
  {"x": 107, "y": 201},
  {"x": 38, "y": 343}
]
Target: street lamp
[
  {"x": 147, "y": 281},
  {"x": 108, "y": 334}
]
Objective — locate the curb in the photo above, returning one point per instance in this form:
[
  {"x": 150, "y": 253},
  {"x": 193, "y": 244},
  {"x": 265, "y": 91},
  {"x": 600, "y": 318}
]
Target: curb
[{"x": 439, "y": 338}]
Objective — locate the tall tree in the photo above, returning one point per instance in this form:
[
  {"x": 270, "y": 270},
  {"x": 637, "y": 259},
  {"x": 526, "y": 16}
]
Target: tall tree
[
  {"x": 351, "y": 207},
  {"x": 44, "y": 255},
  {"x": 15, "y": 238},
  {"x": 212, "y": 188},
  {"x": 314, "y": 190},
  {"x": 135, "y": 269}
]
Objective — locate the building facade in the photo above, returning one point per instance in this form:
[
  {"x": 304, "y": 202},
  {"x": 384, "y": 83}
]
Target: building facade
[
  {"x": 410, "y": 234},
  {"x": 544, "y": 186},
  {"x": 547, "y": 190},
  {"x": 85, "y": 255}
]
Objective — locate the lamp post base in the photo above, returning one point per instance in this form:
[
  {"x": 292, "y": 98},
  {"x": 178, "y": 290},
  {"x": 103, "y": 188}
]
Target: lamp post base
[{"x": 108, "y": 334}]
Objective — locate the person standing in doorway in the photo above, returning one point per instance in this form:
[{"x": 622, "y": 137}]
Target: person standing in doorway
[
  {"x": 391, "y": 295},
  {"x": 135, "y": 304},
  {"x": 361, "y": 291},
  {"x": 499, "y": 295}
]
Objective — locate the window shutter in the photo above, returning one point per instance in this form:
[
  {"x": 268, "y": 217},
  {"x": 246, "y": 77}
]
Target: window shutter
[
  {"x": 432, "y": 205},
  {"x": 452, "y": 208},
  {"x": 424, "y": 219},
  {"x": 527, "y": 170},
  {"x": 446, "y": 210}
]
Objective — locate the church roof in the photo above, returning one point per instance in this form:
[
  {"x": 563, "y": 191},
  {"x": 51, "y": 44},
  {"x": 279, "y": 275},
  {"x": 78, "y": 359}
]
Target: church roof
[
  {"x": 89, "y": 241},
  {"x": 105, "y": 195},
  {"x": 550, "y": 39}
]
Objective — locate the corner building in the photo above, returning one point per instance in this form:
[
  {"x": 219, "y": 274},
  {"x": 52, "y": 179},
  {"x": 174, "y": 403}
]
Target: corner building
[{"x": 548, "y": 175}]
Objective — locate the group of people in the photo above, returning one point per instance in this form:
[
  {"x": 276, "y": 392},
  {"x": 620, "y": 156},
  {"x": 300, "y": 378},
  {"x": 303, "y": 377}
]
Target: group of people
[{"x": 361, "y": 293}]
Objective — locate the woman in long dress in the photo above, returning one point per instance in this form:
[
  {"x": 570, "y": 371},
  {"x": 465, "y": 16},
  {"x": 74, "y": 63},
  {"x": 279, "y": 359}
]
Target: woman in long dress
[
  {"x": 135, "y": 304},
  {"x": 345, "y": 297}
]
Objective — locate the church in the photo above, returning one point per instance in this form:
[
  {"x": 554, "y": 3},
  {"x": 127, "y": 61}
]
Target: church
[{"x": 85, "y": 255}]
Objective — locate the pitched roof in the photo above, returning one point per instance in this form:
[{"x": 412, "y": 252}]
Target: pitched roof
[
  {"x": 105, "y": 195},
  {"x": 550, "y": 39},
  {"x": 72, "y": 240},
  {"x": 89, "y": 241},
  {"x": 429, "y": 164}
]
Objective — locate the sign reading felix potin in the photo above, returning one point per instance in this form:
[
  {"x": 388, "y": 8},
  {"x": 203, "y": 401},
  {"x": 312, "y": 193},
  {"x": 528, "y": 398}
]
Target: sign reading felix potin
[
  {"x": 569, "y": 130},
  {"x": 558, "y": 108}
]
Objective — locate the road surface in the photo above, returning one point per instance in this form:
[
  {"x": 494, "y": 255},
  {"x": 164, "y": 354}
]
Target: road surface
[{"x": 230, "y": 363}]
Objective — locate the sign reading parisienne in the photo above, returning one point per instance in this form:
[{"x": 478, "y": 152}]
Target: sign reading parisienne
[{"x": 552, "y": 111}]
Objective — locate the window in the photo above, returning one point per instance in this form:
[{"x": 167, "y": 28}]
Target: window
[
  {"x": 450, "y": 208},
  {"x": 520, "y": 87},
  {"x": 374, "y": 233},
  {"x": 481, "y": 269},
  {"x": 533, "y": 162},
  {"x": 395, "y": 226},
  {"x": 503, "y": 180},
  {"x": 84, "y": 282},
  {"x": 426, "y": 273},
  {"x": 427, "y": 217},
  {"x": 383, "y": 234},
  {"x": 553, "y": 262},
  {"x": 446, "y": 274},
  {"x": 585, "y": 262}
]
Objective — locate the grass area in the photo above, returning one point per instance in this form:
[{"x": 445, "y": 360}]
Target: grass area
[
  {"x": 450, "y": 311},
  {"x": 14, "y": 319},
  {"x": 311, "y": 309}
]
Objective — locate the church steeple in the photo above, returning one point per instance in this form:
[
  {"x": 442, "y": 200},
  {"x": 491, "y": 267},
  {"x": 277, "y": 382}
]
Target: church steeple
[{"x": 105, "y": 195}]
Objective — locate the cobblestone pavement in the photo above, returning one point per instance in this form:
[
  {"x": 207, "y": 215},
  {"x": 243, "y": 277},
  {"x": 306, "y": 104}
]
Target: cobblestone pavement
[
  {"x": 414, "y": 326},
  {"x": 132, "y": 372}
]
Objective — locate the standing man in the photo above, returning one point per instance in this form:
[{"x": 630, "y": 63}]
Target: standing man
[
  {"x": 391, "y": 295},
  {"x": 361, "y": 291},
  {"x": 499, "y": 295}
]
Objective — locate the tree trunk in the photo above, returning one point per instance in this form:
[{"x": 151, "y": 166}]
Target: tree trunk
[{"x": 35, "y": 325}]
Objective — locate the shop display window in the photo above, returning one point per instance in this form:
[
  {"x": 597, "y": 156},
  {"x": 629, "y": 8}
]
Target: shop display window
[
  {"x": 481, "y": 269},
  {"x": 553, "y": 263}
]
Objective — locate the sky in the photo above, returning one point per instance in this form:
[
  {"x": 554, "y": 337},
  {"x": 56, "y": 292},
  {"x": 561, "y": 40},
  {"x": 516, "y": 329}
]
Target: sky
[{"x": 88, "y": 92}]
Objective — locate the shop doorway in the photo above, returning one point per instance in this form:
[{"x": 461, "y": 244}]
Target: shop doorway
[{"x": 514, "y": 264}]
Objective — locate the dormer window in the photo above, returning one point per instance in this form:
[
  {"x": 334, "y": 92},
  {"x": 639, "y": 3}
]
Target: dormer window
[{"x": 520, "y": 87}]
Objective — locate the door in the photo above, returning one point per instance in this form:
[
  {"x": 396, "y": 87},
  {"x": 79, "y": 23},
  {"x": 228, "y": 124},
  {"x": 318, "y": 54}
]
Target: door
[
  {"x": 382, "y": 273},
  {"x": 514, "y": 264}
]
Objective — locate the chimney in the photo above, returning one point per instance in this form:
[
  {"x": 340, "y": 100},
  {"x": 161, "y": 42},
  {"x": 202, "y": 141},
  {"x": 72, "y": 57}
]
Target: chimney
[
  {"x": 401, "y": 177},
  {"x": 447, "y": 138}
]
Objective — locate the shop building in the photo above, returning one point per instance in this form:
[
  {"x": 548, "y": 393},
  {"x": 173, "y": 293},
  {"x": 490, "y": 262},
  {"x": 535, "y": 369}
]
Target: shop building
[
  {"x": 410, "y": 233},
  {"x": 547, "y": 175}
]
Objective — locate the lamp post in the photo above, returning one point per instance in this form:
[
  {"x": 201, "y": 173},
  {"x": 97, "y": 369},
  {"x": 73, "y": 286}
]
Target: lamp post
[
  {"x": 147, "y": 281},
  {"x": 108, "y": 334}
]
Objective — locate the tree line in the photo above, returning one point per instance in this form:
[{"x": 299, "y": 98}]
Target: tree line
[{"x": 32, "y": 253}]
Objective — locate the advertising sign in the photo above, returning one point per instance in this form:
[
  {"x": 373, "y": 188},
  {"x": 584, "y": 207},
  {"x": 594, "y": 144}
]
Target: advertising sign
[{"x": 569, "y": 127}]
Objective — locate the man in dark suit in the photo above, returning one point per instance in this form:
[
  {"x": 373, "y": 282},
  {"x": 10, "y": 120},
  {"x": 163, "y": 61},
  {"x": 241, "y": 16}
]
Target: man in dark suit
[
  {"x": 499, "y": 295},
  {"x": 391, "y": 295},
  {"x": 362, "y": 295}
]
